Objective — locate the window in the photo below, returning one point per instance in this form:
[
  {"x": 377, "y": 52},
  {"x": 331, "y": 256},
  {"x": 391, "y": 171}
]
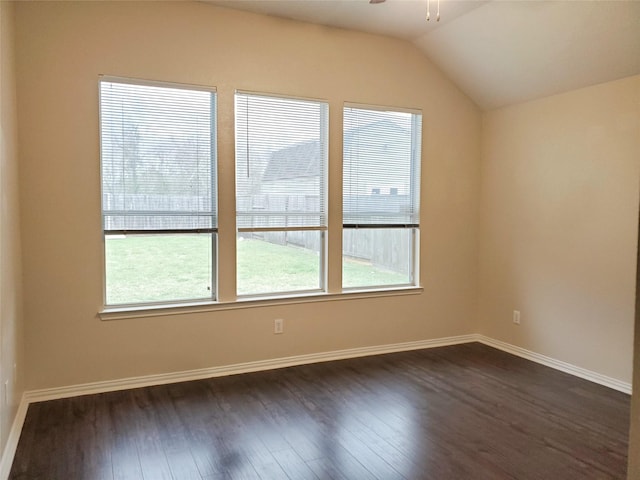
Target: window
[
  {"x": 381, "y": 183},
  {"x": 281, "y": 184},
  {"x": 159, "y": 195},
  {"x": 158, "y": 192}
]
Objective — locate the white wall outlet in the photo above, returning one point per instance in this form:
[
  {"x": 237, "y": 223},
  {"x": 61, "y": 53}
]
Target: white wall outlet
[
  {"x": 516, "y": 317},
  {"x": 278, "y": 326},
  {"x": 6, "y": 392}
]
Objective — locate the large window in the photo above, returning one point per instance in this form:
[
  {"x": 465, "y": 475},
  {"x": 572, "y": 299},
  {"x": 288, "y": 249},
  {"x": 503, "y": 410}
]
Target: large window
[
  {"x": 159, "y": 198},
  {"x": 381, "y": 183},
  {"x": 158, "y": 192},
  {"x": 281, "y": 177}
]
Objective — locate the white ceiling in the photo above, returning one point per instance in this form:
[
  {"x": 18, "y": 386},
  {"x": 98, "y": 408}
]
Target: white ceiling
[{"x": 498, "y": 52}]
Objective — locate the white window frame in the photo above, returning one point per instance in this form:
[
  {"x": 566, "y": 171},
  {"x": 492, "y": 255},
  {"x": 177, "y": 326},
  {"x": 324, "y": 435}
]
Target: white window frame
[
  {"x": 324, "y": 179},
  {"x": 211, "y": 303},
  {"x": 213, "y": 231},
  {"x": 413, "y": 227}
]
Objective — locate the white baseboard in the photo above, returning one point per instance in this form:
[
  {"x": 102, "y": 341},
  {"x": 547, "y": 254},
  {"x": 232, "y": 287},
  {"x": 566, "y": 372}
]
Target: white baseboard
[
  {"x": 199, "y": 374},
  {"x": 557, "y": 364},
  {"x": 34, "y": 396},
  {"x": 12, "y": 441}
]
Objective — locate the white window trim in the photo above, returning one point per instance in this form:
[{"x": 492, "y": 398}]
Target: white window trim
[
  {"x": 122, "y": 313},
  {"x": 415, "y": 270},
  {"x": 214, "y": 232},
  {"x": 382, "y": 108},
  {"x": 323, "y": 229},
  {"x": 156, "y": 83},
  {"x": 199, "y": 306}
]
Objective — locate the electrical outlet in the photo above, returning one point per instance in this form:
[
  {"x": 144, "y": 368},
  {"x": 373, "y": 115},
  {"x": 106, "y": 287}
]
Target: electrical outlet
[
  {"x": 516, "y": 317},
  {"x": 6, "y": 392},
  {"x": 278, "y": 326}
]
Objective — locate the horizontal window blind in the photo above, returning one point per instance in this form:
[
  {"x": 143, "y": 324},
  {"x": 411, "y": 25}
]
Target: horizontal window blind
[
  {"x": 381, "y": 168},
  {"x": 281, "y": 162},
  {"x": 158, "y": 158}
]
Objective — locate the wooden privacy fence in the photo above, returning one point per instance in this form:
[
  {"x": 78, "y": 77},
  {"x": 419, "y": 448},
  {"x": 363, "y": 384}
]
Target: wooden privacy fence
[
  {"x": 385, "y": 248},
  {"x": 156, "y": 212}
]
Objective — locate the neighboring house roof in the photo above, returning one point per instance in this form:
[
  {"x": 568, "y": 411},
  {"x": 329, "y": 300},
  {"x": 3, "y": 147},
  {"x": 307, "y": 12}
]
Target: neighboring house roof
[
  {"x": 298, "y": 161},
  {"x": 302, "y": 160}
]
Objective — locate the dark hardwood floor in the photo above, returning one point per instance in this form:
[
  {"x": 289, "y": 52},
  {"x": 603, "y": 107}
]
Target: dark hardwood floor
[{"x": 461, "y": 412}]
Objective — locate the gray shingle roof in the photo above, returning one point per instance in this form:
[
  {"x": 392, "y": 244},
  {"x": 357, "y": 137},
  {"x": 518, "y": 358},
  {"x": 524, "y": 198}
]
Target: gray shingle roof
[{"x": 302, "y": 160}]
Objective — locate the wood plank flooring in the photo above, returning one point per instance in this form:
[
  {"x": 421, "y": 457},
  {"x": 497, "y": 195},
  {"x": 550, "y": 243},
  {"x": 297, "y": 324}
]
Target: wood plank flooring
[{"x": 461, "y": 412}]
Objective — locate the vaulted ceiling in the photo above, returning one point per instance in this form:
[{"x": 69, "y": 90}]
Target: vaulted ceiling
[{"x": 498, "y": 52}]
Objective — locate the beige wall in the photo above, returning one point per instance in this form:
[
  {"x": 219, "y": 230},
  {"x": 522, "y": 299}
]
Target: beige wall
[
  {"x": 10, "y": 269},
  {"x": 558, "y": 212},
  {"x": 61, "y": 50}
]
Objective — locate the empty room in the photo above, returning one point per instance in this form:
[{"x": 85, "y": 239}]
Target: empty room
[{"x": 319, "y": 239}]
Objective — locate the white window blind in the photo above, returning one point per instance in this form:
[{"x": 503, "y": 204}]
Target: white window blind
[
  {"x": 381, "y": 168},
  {"x": 158, "y": 158},
  {"x": 281, "y": 162}
]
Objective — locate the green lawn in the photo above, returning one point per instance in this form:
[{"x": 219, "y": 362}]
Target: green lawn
[
  {"x": 267, "y": 267},
  {"x": 158, "y": 268},
  {"x": 177, "y": 267}
]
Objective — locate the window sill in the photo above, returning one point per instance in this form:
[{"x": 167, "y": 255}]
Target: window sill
[{"x": 121, "y": 313}]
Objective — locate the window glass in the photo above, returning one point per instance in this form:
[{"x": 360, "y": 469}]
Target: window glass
[
  {"x": 279, "y": 261},
  {"x": 281, "y": 175},
  {"x": 377, "y": 257},
  {"x": 158, "y": 191},
  {"x": 157, "y": 268},
  {"x": 381, "y": 181}
]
